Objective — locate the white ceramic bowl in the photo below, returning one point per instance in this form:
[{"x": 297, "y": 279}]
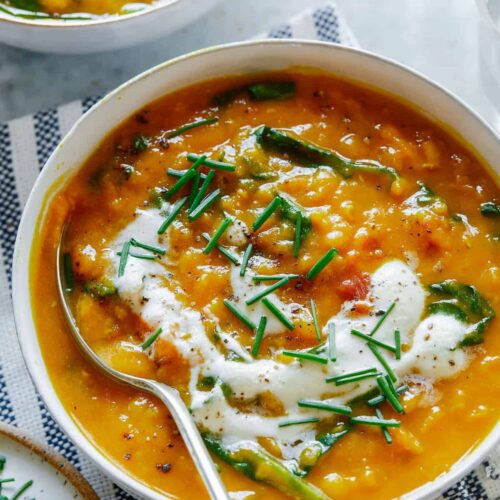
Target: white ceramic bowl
[
  {"x": 104, "y": 32},
  {"x": 356, "y": 65}
]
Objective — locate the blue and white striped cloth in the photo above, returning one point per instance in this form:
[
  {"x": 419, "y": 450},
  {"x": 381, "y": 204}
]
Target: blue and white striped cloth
[{"x": 25, "y": 146}]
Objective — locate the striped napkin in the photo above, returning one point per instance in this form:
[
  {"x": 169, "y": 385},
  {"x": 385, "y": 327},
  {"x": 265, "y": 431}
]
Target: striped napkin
[{"x": 25, "y": 146}]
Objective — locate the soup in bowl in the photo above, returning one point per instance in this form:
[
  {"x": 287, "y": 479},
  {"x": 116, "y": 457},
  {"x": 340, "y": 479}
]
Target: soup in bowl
[{"x": 308, "y": 258}]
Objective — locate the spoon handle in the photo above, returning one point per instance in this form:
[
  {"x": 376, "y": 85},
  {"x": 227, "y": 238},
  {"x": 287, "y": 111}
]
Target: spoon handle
[{"x": 192, "y": 438}]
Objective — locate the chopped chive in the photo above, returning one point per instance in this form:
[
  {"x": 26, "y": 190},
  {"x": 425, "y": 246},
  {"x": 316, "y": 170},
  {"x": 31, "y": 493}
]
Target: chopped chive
[
  {"x": 139, "y": 255},
  {"x": 223, "y": 251},
  {"x": 123, "y": 258},
  {"x": 182, "y": 181},
  {"x": 68, "y": 272},
  {"x": 385, "y": 431},
  {"x": 305, "y": 356},
  {"x": 217, "y": 236},
  {"x": 315, "y": 319},
  {"x": 268, "y": 211},
  {"x": 389, "y": 395},
  {"x": 267, "y": 291},
  {"x": 192, "y": 125},
  {"x": 367, "y": 371},
  {"x": 145, "y": 246},
  {"x": 351, "y": 380},
  {"x": 332, "y": 351},
  {"x": 246, "y": 258},
  {"x": 381, "y": 398},
  {"x": 382, "y": 361},
  {"x": 278, "y": 313},
  {"x": 3, "y": 461},
  {"x": 220, "y": 165},
  {"x": 204, "y": 205},
  {"x": 259, "y": 336},
  {"x": 373, "y": 340},
  {"x": 322, "y": 263},
  {"x": 382, "y": 319},
  {"x": 320, "y": 405},
  {"x": 274, "y": 277},
  {"x": 318, "y": 349},
  {"x": 195, "y": 187},
  {"x": 375, "y": 421},
  {"x": 241, "y": 316},
  {"x": 397, "y": 341},
  {"x": 310, "y": 420},
  {"x": 22, "y": 489},
  {"x": 201, "y": 192},
  {"x": 7, "y": 480},
  {"x": 176, "y": 208},
  {"x": 179, "y": 173},
  {"x": 298, "y": 234},
  {"x": 151, "y": 339}
]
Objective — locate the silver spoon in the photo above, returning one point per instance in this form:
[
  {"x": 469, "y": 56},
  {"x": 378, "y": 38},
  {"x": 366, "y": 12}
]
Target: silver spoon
[{"x": 167, "y": 394}]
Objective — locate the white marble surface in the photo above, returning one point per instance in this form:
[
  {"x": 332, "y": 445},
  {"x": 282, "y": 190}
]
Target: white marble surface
[{"x": 436, "y": 37}]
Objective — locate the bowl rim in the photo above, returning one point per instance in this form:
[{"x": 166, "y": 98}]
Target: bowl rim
[
  {"x": 44, "y": 384},
  {"x": 106, "y": 19}
]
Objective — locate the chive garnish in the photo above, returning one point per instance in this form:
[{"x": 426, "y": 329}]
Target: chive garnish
[
  {"x": 298, "y": 233},
  {"x": 375, "y": 421},
  {"x": 179, "y": 173},
  {"x": 192, "y": 125},
  {"x": 391, "y": 397},
  {"x": 217, "y": 236},
  {"x": 382, "y": 361},
  {"x": 274, "y": 277},
  {"x": 204, "y": 205},
  {"x": 278, "y": 313},
  {"x": 259, "y": 336},
  {"x": 268, "y": 211},
  {"x": 385, "y": 432},
  {"x": 267, "y": 291},
  {"x": 246, "y": 258},
  {"x": 139, "y": 255},
  {"x": 397, "y": 341},
  {"x": 332, "y": 351},
  {"x": 201, "y": 192},
  {"x": 145, "y": 246},
  {"x": 315, "y": 319},
  {"x": 310, "y": 420},
  {"x": 220, "y": 165},
  {"x": 68, "y": 272},
  {"x": 22, "y": 489},
  {"x": 194, "y": 187},
  {"x": 381, "y": 398},
  {"x": 123, "y": 258},
  {"x": 223, "y": 251},
  {"x": 373, "y": 340},
  {"x": 176, "y": 208},
  {"x": 320, "y": 405},
  {"x": 151, "y": 339},
  {"x": 3, "y": 461},
  {"x": 7, "y": 480},
  {"x": 241, "y": 316},
  {"x": 382, "y": 319},
  {"x": 322, "y": 263},
  {"x": 182, "y": 181},
  {"x": 347, "y": 378},
  {"x": 305, "y": 356}
]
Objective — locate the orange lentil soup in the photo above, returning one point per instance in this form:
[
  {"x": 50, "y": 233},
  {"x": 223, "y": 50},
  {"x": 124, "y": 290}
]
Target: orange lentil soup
[
  {"x": 311, "y": 263},
  {"x": 61, "y": 7}
]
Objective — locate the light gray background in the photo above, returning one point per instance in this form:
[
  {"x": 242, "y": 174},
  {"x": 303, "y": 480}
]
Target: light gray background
[{"x": 436, "y": 37}]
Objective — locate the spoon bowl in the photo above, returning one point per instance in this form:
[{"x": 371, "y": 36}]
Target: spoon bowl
[{"x": 168, "y": 395}]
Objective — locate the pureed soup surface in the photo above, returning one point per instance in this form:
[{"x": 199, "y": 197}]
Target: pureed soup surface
[
  {"x": 313, "y": 265},
  {"x": 60, "y": 7}
]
